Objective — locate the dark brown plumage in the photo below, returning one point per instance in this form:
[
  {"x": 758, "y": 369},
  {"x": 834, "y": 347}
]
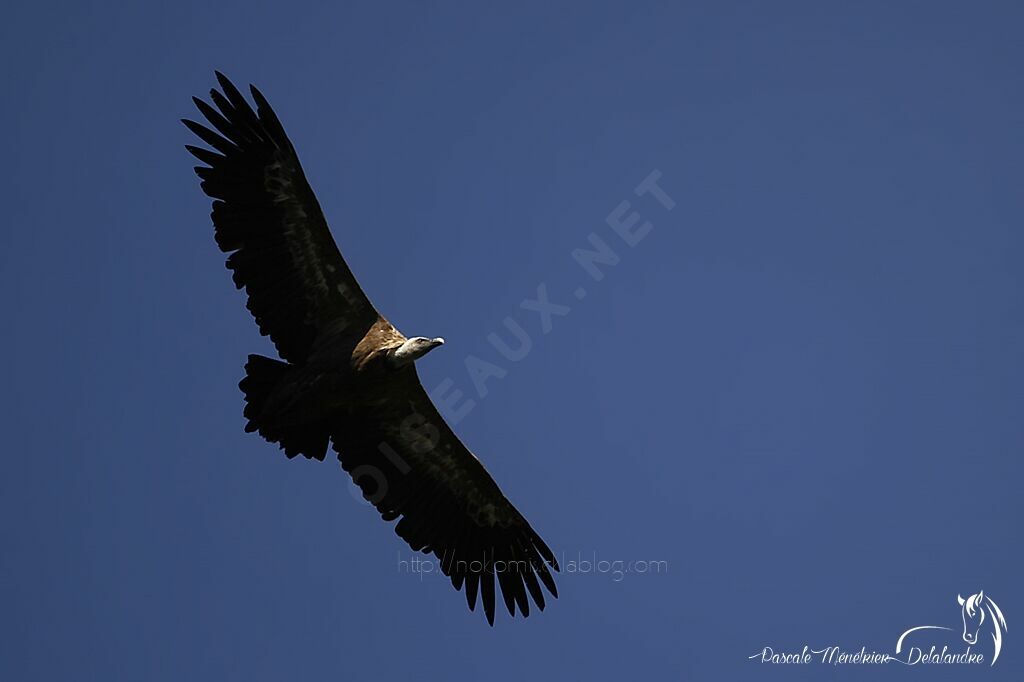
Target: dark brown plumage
[{"x": 348, "y": 379}]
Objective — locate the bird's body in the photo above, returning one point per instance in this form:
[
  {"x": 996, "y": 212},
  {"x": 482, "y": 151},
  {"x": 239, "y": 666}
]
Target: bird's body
[
  {"x": 347, "y": 378},
  {"x": 333, "y": 383}
]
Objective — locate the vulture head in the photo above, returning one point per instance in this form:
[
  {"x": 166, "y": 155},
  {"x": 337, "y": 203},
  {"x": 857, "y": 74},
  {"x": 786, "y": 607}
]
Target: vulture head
[{"x": 414, "y": 349}]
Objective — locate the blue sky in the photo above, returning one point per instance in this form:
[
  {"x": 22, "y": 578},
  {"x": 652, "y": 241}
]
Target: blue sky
[{"x": 800, "y": 391}]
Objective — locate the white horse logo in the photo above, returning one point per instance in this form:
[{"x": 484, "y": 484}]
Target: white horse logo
[
  {"x": 974, "y": 615},
  {"x": 975, "y": 611}
]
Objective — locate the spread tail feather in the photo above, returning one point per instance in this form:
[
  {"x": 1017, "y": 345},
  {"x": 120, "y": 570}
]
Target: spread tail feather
[{"x": 263, "y": 376}]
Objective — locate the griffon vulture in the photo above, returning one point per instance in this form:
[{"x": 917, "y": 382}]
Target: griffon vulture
[{"x": 346, "y": 378}]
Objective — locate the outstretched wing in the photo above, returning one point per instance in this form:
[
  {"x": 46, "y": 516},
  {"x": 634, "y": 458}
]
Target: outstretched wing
[
  {"x": 268, "y": 218},
  {"x": 408, "y": 462}
]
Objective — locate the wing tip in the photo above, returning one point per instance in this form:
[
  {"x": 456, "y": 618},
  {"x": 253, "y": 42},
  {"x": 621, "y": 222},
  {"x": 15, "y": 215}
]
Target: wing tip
[{"x": 223, "y": 80}]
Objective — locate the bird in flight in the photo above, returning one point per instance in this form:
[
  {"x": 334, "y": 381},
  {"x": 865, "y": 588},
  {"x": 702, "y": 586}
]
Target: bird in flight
[{"x": 346, "y": 379}]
